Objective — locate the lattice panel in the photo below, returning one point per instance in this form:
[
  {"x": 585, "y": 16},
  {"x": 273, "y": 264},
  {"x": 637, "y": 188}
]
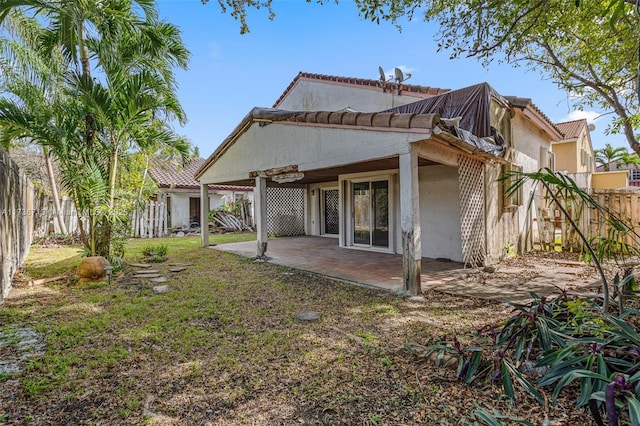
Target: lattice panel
[
  {"x": 472, "y": 212},
  {"x": 285, "y": 211}
]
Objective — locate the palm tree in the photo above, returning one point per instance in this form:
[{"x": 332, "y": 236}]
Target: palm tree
[
  {"x": 608, "y": 155},
  {"x": 27, "y": 112},
  {"x": 123, "y": 109}
]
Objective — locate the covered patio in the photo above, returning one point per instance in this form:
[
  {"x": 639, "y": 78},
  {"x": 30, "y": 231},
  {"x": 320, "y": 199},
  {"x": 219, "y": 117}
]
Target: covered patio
[{"x": 323, "y": 256}]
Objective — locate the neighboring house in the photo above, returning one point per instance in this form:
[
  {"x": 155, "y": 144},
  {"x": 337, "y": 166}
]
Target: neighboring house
[
  {"x": 181, "y": 193},
  {"x": 419, "y": 178},
  {"x": 573, "y": 154}
]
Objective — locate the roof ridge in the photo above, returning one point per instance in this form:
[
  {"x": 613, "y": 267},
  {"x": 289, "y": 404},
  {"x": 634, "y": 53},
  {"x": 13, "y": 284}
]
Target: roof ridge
[
  {"x": 412, "y": 88},
  {"x": 571, "y": 121}
]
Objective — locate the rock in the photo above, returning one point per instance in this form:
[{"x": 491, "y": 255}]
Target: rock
[
  {"x": 417, "y": 299},
  {"x": 93, "y": 268},
  {"x": 489, "y": 269},
  {"x": 160, "y": 289},
  {"x": 159, "y": 280},
  {"x": 147, "y": 276},
  {"x": 307, "y": 316},
  {"x": 179, "y": 234}
]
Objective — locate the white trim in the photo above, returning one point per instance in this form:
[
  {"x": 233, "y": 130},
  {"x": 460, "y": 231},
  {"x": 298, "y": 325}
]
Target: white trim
[{"x": 346, "y": 231}]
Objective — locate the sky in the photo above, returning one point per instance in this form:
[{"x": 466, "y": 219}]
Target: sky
[{"x": 230, "y": 73}]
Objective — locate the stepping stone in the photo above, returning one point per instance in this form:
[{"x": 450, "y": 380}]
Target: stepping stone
[
  {"x": 159, "y": 280},
  {"x": 140, "y": 265},
  {"x": 179, "y": 269},
  {"x": 180, "y": 264},
  {"x": 147, "y": 271},
  {"x": 147, "y": 276},
  {"x": 160, "y": 289},
  {"x": 307, "y": 316}
]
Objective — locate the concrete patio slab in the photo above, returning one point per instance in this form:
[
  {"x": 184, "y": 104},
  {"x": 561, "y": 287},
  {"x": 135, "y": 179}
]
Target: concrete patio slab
[{"x": 323, "y": 256}]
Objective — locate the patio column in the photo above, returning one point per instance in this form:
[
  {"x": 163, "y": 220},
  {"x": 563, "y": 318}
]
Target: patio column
[
  {"x": 260, "y": 200},
  {"x": 204, "y": 214},
  {"x": 410, "y": 222}
]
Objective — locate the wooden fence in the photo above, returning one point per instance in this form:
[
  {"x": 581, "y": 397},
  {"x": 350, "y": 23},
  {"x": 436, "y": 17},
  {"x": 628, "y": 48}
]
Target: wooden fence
[
  {"x": 150, "y": 221},
  {"x": 553, "y": 231}
]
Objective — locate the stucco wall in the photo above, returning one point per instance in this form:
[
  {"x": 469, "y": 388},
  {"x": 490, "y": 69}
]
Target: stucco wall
[
  {"x": 440, "y": 212},
  {"x": 566, "y": 156},
  {"x": 610, "y": 180},
  {"x": 310, "y": 95},
  {"x": 527, "y": 138},
  {"x": 17, "y": 212},
  {"x": 280, "y": 145},
  {"x": 508, "y": 226}
]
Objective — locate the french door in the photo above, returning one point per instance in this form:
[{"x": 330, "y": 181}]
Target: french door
[{"x": 371, "y": 213}]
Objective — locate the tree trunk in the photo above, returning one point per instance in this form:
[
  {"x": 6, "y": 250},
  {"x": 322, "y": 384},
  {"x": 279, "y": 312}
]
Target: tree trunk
[{"x": 54, "y": 192}]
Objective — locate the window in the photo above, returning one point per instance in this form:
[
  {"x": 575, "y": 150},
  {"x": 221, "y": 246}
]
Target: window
[
  {"x": 634, "y": 174},
  {"x": 511, "y": 200}
]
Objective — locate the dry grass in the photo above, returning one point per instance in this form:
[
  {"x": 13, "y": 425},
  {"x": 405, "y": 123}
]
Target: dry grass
[{"x": 223, "y": 348}]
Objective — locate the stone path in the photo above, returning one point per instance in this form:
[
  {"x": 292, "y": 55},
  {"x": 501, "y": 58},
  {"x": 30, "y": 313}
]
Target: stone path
[{"x": 156, "y": 275}]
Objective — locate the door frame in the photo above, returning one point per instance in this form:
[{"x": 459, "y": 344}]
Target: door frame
[
  {"x": 322, "y": 208},
  {"x": 346, "y": 228}
]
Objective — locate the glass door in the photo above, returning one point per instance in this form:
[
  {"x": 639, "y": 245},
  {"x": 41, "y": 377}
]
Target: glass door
[
  {"x": 371, "y": 213},
  {"x": 361, "y": 213},
  {"x": 330, "y": 198},
  {"x": 380, "y": 213}
]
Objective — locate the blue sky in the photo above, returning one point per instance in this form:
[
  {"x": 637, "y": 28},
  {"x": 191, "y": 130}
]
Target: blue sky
[{"x": 231, "y": 73}]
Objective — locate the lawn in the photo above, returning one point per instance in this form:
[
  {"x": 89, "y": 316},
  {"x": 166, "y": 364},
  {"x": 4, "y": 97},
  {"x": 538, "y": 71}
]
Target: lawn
[{"x": 222, "y": 347}]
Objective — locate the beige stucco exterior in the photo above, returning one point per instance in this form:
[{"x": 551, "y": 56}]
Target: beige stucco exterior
[
  {"x": 421, "y": 166},
  {"x": 610, "y": 180},
  {"x": 318, "y": 95},
  {"x": 575, "y": 155}
]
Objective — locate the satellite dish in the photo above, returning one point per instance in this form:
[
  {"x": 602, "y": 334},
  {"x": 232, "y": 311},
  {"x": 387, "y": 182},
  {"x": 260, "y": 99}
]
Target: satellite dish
[
  {"x": 383, "y": 78},
  {"x": 592, "y": 127},
  {"x": 399, "y": 75}
]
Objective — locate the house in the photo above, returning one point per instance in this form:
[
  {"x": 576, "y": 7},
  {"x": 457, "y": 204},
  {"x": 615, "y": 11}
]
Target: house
[
  {"x": 417, "y": 177},
  {"x": 573, "y": 154},
  {"x": 177, "y": 205}
]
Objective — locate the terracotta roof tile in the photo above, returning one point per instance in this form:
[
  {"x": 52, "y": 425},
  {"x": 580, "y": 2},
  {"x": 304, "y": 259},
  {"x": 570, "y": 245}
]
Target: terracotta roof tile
[
  {"x": 417, "y": 122},
  {"x": 413, "y": 89},
  {"x": 168, "y": 175},
  {"x": 571, "y": 129}
]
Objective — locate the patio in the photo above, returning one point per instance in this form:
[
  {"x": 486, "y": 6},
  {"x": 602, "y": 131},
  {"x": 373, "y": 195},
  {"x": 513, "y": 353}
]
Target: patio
[{"x": 506, "y": 282}]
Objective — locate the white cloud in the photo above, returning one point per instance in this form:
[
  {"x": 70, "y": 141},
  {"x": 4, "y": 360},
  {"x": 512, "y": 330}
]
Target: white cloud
[{"x": 590, "y": 116}]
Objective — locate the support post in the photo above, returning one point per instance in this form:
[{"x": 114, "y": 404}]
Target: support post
[
  {"x": 260, "y": 200},
  {"x": 410, "y": 222},
  {"x": 204, "y": 214}
]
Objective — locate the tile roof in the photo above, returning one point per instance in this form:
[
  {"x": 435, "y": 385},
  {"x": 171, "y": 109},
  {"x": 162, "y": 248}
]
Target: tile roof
[
  {"x": 168, "y": 175},
  {"x": 519, "y": 102},
  {"x": 571, "y": 129},
  {"x": 383, "y": 121},
  {"x": 412, "y": 89}
]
